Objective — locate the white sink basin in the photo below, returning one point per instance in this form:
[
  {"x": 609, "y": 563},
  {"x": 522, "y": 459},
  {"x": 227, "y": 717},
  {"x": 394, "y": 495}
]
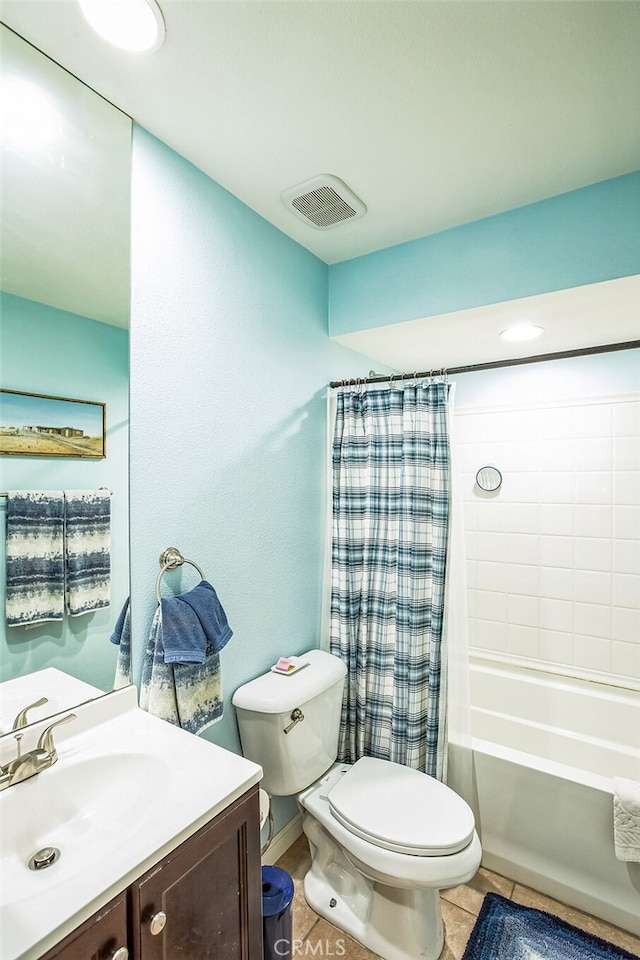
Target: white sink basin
[
  {"x": 73, "y": 807},
  {"x": 126, "y": 789}
]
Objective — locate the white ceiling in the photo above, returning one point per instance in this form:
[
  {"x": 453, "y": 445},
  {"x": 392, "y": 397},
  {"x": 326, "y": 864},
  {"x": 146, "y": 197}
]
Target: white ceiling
[{"x": 434, "y": 113}]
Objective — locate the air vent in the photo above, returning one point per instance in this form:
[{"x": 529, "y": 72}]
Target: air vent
[{"x": 323, "y": 202}]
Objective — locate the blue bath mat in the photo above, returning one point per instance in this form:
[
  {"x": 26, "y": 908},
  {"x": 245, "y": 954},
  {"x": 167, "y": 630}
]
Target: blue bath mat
[{"x": 506, "y": 930}]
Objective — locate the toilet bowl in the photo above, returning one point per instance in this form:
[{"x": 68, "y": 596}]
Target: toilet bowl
[
  {"x": 384, "y": 838},
  {"x": 380, "y": 861},
  {"x": 403, "y": 827}
]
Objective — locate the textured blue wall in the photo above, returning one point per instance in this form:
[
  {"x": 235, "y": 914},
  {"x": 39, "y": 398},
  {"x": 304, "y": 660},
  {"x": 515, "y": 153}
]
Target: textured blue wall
[
  {"x": 581, "y": 237},
  {"x": 229, "y": 364},
  {"x": 49, "y": 351}
]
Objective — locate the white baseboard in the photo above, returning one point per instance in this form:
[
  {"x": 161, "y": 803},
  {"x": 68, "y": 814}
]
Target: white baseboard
[{"x": 282, "y": 841}]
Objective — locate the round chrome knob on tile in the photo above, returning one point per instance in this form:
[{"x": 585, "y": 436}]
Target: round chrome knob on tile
[
  {"x": 121, "y": 954},
  {"x": 157, "y": 922}
]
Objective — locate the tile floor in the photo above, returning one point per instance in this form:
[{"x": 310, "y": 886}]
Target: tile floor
[{"x": 315, "y": 937}]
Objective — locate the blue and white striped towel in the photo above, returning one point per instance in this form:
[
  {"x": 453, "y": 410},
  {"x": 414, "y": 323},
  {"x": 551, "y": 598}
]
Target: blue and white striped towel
[
  {"x": 122, "y": 637},
  {"x": 35, "y": 562},
  {"x": 87, "y": 550},
  {"x": 181, "y": 678}
]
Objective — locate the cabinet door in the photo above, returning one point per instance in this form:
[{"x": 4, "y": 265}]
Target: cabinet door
[
  {"x": 209, "y": 890},
  {"x": 102, "y": 937}
]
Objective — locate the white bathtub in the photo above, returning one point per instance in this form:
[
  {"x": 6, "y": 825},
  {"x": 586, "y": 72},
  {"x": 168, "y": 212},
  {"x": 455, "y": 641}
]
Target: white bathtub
[{"x": 545, "y": 751}]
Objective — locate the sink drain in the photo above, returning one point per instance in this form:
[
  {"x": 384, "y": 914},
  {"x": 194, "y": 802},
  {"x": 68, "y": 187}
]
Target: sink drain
[{"x": 43, "y": 858}]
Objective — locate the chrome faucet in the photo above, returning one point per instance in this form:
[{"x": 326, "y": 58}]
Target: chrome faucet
[
  {"x": 35, "y": 761},
  {"x": 21, "y": 719}
]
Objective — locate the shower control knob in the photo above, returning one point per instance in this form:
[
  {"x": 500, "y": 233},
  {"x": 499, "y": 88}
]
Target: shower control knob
[{"x": 157, "y": 923}]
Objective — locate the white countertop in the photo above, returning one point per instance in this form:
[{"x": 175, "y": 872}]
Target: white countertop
[
  {"x": 63, "y": 692},
  {"x": 142, "y": 786}
]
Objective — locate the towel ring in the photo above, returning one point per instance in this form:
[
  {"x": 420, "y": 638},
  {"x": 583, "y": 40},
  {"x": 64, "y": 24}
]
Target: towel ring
[{"x": 171, "y": 559}]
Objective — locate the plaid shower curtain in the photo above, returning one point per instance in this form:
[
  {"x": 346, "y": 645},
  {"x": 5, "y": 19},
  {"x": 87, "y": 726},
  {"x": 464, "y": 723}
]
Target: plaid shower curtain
[{"x": 391, "y": 465}]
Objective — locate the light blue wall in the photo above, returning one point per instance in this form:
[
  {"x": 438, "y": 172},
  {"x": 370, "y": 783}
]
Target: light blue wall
[
  {"x": 229, "y": 364},
  {"x": 596, "y": 375},
  {"x": 582, "y": 237},
  {"x": 49, "y": 351}
]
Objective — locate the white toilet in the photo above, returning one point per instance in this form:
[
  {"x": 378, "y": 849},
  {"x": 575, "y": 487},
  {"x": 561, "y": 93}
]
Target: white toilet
[{"x": 384, "y": 839}]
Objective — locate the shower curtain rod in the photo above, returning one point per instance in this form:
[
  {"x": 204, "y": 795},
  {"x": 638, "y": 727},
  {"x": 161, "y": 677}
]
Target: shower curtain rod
[{"x": 491, "y": 365}]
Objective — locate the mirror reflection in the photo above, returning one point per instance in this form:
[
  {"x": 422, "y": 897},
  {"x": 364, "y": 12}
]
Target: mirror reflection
[{"x": 64, "y": 302}]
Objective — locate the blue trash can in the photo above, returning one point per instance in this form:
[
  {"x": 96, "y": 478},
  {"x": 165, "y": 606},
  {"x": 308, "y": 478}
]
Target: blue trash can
[{"x": 277, "y": 896}]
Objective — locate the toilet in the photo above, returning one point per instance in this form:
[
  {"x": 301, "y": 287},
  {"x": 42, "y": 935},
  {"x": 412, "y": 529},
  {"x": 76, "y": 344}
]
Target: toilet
[{"x": 384, "y": 838}]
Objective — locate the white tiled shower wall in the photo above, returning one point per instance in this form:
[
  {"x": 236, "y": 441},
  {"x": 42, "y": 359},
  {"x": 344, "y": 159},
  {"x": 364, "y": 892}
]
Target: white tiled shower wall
[{"x": 554, "y": 556}]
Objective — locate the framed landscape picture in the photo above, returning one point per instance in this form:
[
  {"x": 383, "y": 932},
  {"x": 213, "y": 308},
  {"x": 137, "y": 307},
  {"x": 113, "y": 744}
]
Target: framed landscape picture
[{"x": 36, "y": 425}]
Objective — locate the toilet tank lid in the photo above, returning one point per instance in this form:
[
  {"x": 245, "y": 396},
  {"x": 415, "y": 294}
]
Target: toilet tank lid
[{"x": 279, "y": 693}]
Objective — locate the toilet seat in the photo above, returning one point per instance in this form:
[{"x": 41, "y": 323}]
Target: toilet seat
[{"x": 401, "y": 809}]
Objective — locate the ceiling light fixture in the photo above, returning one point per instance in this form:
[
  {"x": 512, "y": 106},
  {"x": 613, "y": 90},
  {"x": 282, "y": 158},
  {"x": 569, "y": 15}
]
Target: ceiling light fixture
[
  {"x": 522, "y": 331},
  {"x": 136, "y": 26}
]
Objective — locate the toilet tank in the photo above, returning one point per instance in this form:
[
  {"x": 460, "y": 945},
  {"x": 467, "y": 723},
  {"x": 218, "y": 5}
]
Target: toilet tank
[{"x": 264, "y": 706}]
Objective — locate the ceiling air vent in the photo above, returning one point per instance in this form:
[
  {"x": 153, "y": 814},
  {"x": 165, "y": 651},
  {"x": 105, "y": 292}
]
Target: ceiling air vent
[{"x": 323, "y": 202}]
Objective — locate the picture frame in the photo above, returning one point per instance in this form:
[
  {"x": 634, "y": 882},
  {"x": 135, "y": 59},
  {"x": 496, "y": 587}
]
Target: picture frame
[{"x": 39, "y": 425}]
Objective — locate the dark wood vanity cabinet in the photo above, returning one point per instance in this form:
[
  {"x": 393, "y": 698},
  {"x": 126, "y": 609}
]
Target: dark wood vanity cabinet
[
  {"x": 203, "y": 901},
  {"x": 98, "y": 938},
  {"x": 210, "y": 891}
]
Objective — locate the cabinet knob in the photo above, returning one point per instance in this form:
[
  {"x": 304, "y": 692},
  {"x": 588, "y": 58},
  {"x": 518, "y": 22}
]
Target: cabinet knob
[
  {"x": 121, "y": 954},
  {"x": 156, "y": 924}
]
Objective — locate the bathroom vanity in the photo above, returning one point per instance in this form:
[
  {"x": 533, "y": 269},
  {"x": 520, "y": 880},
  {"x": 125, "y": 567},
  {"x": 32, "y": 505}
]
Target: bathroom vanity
[
  {"x": 156, "y": 835},
  {"x": 201, "y": 900}
]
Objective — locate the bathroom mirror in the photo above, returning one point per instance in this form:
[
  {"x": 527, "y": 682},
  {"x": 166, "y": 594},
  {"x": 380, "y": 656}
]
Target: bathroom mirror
[{"x": 64, "y": 301}]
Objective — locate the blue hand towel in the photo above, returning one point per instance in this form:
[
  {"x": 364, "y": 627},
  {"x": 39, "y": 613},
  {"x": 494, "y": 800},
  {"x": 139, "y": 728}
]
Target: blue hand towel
[
  {"x": 35, "y": 562},
  {"x": 122, "y": 637},
  {"x": 87, "y": 550},
  {"x": 194, "y": 625}
]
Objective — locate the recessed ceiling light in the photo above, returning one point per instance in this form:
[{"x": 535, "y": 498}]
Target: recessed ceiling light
[
  {"x": 133, "y": 25},
  {"x": 522, "y": 331}
]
